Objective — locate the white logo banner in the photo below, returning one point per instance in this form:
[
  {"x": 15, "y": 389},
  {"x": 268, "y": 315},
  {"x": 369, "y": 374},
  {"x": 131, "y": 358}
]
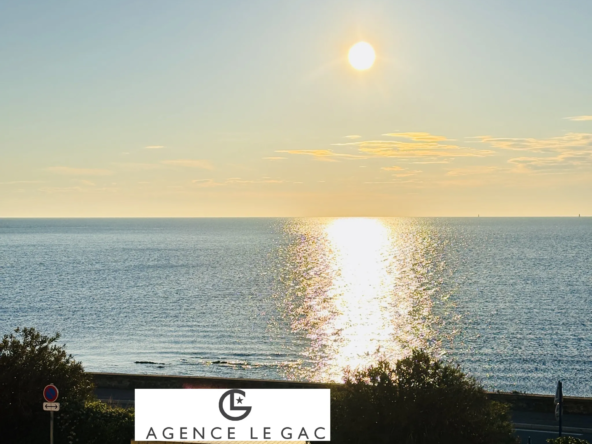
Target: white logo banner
[{"x": 195, "y": 415}]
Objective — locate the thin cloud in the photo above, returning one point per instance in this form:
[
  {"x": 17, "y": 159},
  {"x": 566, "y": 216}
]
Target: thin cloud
[
  {"x": 579, "y": 118},
  {"x": 274, "y": 158},
  {"x": 407, "y": 173},
  {"x": 353, "y": 136},
  {"x": 422, "y": 145},
  {"x": 427, "y": 162},
  {"x": 395, "y": 181},
  {"x": 154, "y": 147},
  {"x": 564, "y": 161},
  {"x": 209, "y": 183},
  {"x": 326, "y": 155},
  {"x": 400, "y": 171},
  {"x": 190, "y": 163},
  {"x": 131, "y": 166},
  {"x": 474, "y": 170},
  {"x": 68, "y": 171},
  {"x": 418, "y": 137},
  {"x": 381, "y": 148},
  {"x": 241, "y": 181},
  {"x": 559, "y": 143}
]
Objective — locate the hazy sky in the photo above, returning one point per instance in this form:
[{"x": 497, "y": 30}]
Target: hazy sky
[{"x": 250, "y": 108}]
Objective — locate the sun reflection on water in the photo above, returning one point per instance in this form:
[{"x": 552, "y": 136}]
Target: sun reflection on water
[{"x": 359, "y": 290}]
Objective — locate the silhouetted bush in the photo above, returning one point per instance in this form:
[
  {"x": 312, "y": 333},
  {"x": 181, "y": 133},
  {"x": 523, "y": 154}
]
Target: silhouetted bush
[
  {"x": 95, "y": 422},
  {"x": 418, "y": 401},
  {"x": 28, "y": 362}
]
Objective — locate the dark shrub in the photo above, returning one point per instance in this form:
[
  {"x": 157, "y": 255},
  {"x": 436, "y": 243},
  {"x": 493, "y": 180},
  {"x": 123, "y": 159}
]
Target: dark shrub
[
  {"x": 28, "y": 362},
  {"x": 96, "y": 423},
  {"x": 418, "y": 401}
]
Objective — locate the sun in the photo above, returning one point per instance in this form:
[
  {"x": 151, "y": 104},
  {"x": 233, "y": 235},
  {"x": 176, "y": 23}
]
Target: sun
[{"x": 361, "y": 56}]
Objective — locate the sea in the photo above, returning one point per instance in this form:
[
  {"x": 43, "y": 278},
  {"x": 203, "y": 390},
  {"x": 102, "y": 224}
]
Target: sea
[{"x": 509, "y": 300}]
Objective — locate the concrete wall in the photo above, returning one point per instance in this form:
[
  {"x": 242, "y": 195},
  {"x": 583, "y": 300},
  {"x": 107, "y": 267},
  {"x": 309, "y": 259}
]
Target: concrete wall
[
  {"x": 125, "y": 382},
  {"x": 129, "y": 382}
]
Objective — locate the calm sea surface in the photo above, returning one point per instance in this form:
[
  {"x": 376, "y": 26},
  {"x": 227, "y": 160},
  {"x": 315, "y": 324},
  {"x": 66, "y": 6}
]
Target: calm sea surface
[{"x": 510, "y": 300}]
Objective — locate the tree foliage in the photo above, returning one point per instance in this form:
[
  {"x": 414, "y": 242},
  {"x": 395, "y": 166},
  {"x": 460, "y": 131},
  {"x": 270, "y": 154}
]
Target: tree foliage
[
  {"x": 419, "y": 400},
  {"x": 28, "y": 362},
  {"x": 96, "y": 422}
]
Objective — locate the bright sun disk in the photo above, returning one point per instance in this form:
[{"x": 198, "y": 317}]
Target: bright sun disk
[{"x": 361, "y": 56}]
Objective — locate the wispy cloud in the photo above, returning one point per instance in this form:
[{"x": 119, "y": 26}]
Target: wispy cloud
[
  {"x": 274, "y": 158},
  {"x": 428, "y": 162},
  {"x": 326, "y": 155},
  {"x": 190, "y": 163},
  {"x": 415, "y": 145},
  {"x": 264, "y": 180},
  {"x": 209, "y": 183},
  {"x": 154, "y": 147},
  {"x": 418, "y": 137},
  {"x": 473, "y": 170},
  {"x": 132, "y": 166},
  {"x": 579, "y": 118},
  {"x": 407, "y": 173},
  {"x": 559, "y": 143},
  {"x": 353, "y": 136},
  {"x": 400, "y": 171},
  {"x": 69, "y": 171},
  {"x": 407, "y": 150},
  {"x": 566, "y": 161}
]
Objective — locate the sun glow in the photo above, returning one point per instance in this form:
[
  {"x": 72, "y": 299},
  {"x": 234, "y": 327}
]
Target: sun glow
[{"x": 361, "y": 56}]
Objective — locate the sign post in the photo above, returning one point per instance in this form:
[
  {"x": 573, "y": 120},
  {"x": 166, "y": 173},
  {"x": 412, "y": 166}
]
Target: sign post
[
  {"x": 559, "y": 405},
  {"x": 50, "y": 393}
]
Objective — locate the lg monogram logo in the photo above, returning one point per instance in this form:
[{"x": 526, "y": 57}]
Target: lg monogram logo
[{"x": 233, "y": 405}]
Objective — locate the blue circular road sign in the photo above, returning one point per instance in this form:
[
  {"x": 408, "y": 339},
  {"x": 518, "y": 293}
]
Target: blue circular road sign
[{"x": 50, "y": 393}]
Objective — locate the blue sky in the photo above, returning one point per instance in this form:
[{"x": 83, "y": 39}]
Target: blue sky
[{"x": 210, "y": 108}]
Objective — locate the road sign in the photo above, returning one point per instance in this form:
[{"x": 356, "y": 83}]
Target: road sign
[
  {"x": 50, "y": 393},
  {"x": 51, "y": 406}
]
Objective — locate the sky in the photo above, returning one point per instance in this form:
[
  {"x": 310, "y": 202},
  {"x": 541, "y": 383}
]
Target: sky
[{"x": 210, "y": 108}]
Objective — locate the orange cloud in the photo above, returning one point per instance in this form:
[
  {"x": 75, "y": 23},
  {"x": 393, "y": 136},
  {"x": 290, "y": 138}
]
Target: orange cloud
[
  {"x": 381, "y": 148},
  {"x": 418, "y": 137}
]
